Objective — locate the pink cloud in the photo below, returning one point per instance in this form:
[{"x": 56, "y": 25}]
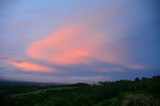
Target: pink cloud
[
  {"x": 70, "y": 45},
  {"x": 76, "y": 45}
]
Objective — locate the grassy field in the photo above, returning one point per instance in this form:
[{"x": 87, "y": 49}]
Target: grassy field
[{"x": 140, "y": 92}]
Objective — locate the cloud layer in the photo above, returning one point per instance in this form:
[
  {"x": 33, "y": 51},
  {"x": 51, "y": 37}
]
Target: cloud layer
[{"x": 58, "y": 41}]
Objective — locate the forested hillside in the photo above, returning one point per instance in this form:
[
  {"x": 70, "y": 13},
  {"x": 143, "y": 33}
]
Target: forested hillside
[{"x": 139, "y": 92}]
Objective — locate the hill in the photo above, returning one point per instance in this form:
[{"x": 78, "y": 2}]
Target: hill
[{"x": 139, "y": 92}]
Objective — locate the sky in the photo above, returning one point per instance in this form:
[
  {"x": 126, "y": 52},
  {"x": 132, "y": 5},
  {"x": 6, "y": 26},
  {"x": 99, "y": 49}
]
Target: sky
[{"x": 69, "y": 41}]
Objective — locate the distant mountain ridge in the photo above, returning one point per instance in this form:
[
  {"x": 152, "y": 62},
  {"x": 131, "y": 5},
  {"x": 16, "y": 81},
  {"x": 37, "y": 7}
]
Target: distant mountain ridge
[{"x": 28, "y": 83}]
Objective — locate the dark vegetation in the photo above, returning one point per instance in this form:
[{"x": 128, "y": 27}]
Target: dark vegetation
[{"x": 139, "y": 92}]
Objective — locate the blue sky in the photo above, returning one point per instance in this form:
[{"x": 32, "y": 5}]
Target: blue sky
[{"x": 79, "y": 41}]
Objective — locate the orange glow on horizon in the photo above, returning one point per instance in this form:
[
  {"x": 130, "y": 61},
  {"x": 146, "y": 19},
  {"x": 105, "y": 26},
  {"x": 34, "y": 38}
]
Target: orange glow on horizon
[{"x": 30, "y": 67}]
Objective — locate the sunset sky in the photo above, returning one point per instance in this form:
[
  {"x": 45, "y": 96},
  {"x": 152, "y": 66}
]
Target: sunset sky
[{"x": 68, "y": 41}]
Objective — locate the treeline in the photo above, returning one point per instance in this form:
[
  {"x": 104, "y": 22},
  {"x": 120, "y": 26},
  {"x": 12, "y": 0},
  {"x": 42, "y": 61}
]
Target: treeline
[{"x": 139, "y": 92}]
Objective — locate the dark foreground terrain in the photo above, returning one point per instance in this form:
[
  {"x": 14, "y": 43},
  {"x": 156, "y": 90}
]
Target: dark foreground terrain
[{"x": 140, "y": 92}]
